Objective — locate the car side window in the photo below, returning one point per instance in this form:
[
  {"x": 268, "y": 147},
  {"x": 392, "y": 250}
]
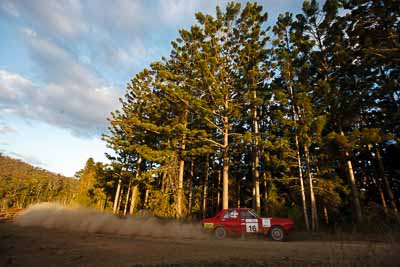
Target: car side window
[
  {"x": 247, "y": 215},
  {"x": 231, "y": 214}
]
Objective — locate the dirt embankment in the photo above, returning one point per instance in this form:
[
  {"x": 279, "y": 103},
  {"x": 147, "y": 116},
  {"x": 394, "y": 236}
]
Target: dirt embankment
[{"x": 51, "y": 237}]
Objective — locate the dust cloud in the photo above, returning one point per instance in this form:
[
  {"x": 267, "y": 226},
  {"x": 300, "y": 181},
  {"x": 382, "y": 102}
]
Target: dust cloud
[{"x": 56, "y": 216}]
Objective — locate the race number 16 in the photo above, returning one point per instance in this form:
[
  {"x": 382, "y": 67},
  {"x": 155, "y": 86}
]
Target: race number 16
[{"x": 251, "y": 227}]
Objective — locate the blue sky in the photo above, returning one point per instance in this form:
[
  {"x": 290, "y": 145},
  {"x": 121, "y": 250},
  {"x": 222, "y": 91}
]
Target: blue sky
[{"x": 65, "y": 63}]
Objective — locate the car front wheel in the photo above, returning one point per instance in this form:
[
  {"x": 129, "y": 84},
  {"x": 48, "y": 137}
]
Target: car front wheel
[
  {"x": 277, "y": 234},
  {"x": 220, "y": 233}
]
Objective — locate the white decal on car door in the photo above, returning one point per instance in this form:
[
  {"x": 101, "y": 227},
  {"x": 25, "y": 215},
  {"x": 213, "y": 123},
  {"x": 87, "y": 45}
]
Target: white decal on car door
[
  {"x": 266, "y": 222},
  {"x": 251, "y": 225}
]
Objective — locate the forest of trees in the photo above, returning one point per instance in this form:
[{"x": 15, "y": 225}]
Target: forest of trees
[
  {"x": 300, "y": 119},
  {"x": 22, "y": 184}
]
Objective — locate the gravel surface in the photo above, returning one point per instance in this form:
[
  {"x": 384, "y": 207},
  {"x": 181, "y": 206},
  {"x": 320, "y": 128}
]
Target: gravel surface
[{"x": 37, "y": 246}]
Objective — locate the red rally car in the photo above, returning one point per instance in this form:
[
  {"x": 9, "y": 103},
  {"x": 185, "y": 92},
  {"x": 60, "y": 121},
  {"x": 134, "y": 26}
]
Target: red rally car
[{"x": 240, "y": 221}]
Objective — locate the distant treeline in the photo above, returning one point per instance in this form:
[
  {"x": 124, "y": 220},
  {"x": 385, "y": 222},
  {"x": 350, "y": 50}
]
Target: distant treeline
[{"x": 22, "y": 184}]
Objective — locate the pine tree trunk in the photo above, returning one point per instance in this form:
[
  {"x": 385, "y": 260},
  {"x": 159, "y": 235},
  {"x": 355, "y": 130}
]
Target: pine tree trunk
[
  {"x": 265, "y": 195},
  {"x": 300, "y": 169},
  {"x": 163, "y": 181},
  {"x": 225, "y": 181},
  {"x": 23, "y": 200},
  {"x": 387, "y": 185},
  {"x": 105, "y": 203},
  {"x": 135, "y": 188},
  {"x": 120, "y": 200},
  {"x": 179, "y": 203},
  {"x": 169, "y": 185},
  {"x": 190, "y": 200},
  {"x": 378, "y": 183},
  {"x": 314, "y": 213},
  {"x": 256, "y": 160},
  {"x": 127, "y": 197},
  {"x": 179, "y": 207},
  {"x": 99, "y": 203},
  {"x": 257, "y": 198},
  {"x": 382, "y": 195},
  {"x": 213, "y": 194},
  {"x": 225, "y": 174},
  {"x": 38, "y": 195},
  {"x": 326, "y": 215},
  {"x": 146, "y": 198},
  {"x": 205, "y": 187},
  {"x": 134, "y": 197},
  {"x": 219, "y": 191},
  {"x": 354, "y": 189},
  {"x": 117, "y": 196},
  {"x": 253, "y": 199},
  {"x": 303, "y": 195},
  {"x": 238, "y": 192}
]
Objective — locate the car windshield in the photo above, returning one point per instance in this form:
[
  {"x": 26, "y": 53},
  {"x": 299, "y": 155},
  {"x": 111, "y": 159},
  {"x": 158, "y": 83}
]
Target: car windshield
[{"x": 248, "y": 214}]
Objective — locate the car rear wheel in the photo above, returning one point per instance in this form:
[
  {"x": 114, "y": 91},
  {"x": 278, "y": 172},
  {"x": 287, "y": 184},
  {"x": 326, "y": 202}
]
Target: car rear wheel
[
  {"x": 277, "y": 234},
  {"x": 220, "y": 233}
]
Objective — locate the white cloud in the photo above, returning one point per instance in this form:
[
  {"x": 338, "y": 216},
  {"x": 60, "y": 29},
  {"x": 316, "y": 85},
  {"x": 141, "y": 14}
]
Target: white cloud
[
  {"x": 173, "y": 11},
  {"x": 29, "y": 32},
  {"x": 182, "y": 12},
  {"x": 82, "y": 110},
  {"x": 73, "y": 96},
  {"x": 56, "y": 63},
  {"x": 119, "y": 15},
  {"x": 63, "y": 18},
  {"x": 10, "y": 8},
  {"x": 8, "y": 84},
  {"x": 35, "y": 161},
  {"x": 27, "y": 158},
  {"x": 4, "y": 129}
]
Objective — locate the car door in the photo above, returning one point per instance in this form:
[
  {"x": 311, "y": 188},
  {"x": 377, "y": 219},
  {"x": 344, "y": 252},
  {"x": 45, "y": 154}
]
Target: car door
[
  {"x": 231, "y": 222},
  {"x": 250, "y": 222}
]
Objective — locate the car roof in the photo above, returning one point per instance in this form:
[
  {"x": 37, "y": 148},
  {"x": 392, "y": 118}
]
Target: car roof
[{"x": 237, "y": 209}]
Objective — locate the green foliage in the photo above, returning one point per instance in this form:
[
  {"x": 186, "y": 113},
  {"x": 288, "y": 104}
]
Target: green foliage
[
  {"x": 22, "y": 184},
  {"x": 162, "y": 205},
  {"x": 276, "y": 204}
]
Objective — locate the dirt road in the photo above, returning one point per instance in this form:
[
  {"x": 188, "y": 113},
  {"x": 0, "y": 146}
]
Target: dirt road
[{"x": 36, "y": 246}]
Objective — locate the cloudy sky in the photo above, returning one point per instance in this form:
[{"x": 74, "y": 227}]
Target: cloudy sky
[{"x": 65, "y": 63}]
